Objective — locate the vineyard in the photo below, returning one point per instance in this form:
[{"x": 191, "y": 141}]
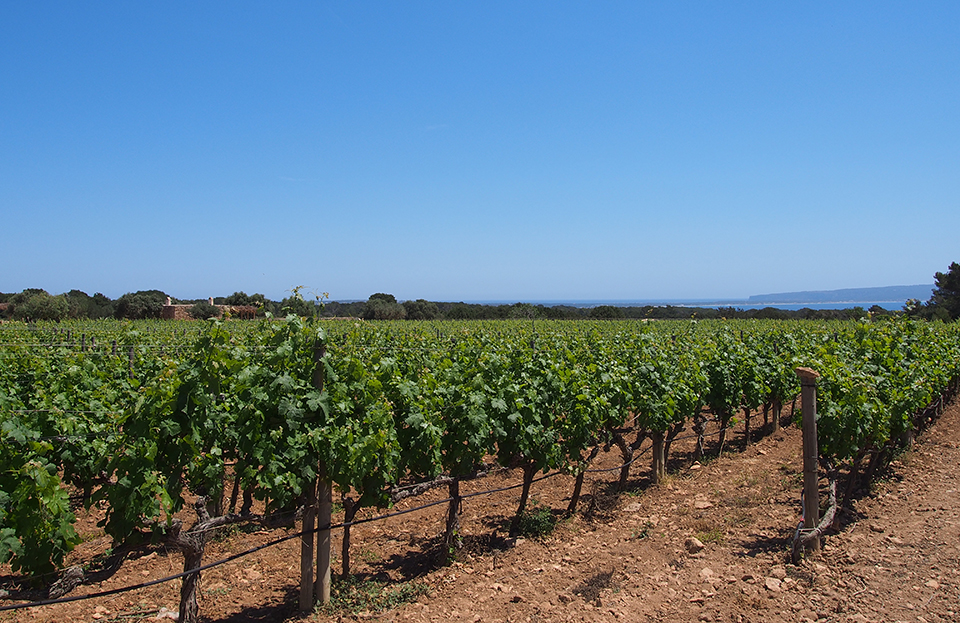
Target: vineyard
[{"x": 268, "y": 423}]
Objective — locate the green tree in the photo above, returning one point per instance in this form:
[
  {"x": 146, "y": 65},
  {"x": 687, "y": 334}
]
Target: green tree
[
  {"x": 298, "y": 306},
  {"x": 142, "y": 304},
  {"x": 103, "y": 306},
  {"x": 262, "y": 303},
  {"x": 946, "y": 296},
  {"x": 421, "y": 309},
  {"x": 380, "y": 296},
  {"x": 21, "y": 297},
  {"x": 42, "y": 306},
  {"x": 238, "y": 298},
  {"x": 771, "y": 313},
  {"x": 341, "y": 310},
  {"x": 463, "y": 311},
  {"x": 606, "y": 311},
  {"x": 84, "y": 306},
  {"x": 79, "y": 303},
  {"x": 242, "y": 298},
  {"x": 383, "y": 307},
  {"x": 525, "y": 310},
  {"x": 879, "y": 312},
  {"x": 204, "y": 310}
]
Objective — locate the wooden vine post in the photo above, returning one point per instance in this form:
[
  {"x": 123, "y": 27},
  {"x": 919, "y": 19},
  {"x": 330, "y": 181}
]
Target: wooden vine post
[
  {"x": 324, "y": 500},
  {"x": 811, "y": 454},
  {"x": 306, "y": 550},
  {"x": 320, "y": 491},
  {"x": 777, "y": 403},
  {"x": 325, "y": 495}
]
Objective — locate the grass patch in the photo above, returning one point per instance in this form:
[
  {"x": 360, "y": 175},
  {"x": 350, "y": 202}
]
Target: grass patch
[
  {"x": 643, "y": 531},
  {"x": 537, "y": 520},
  {"x": 790, "y": 478},
  {"x": 368, "y": 555},
  {"x": 740, "y": 501},
  {"x": 738, "y": 520},
  {"x": 670, "y": 479},
  {"x": 354, "y": 595},
  {"x": 218, "y": 591},
  {"x": 714, "y": 535}
]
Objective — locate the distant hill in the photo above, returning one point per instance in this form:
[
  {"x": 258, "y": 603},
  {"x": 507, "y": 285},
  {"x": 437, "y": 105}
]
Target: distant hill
[{"x": 847, "y": 295}]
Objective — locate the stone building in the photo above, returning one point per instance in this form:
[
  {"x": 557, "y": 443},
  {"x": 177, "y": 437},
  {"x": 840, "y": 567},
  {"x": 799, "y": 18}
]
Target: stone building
[{"x": 182, "y": 312}]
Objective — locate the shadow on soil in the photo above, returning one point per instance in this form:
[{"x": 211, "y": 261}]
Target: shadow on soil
[
  {"x": 271, "y": 611},
  {"x": 591, "y": 588}
]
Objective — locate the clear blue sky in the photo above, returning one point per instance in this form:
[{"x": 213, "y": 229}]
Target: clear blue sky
[{"x": 478, "y": 150}]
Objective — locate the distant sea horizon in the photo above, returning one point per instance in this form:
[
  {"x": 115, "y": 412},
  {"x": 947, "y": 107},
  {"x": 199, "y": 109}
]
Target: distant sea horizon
[
  {"x": 892, "y": 298},
  {"x": 887, "y": 297},
  {"x": 735, "y": 303},
  {"x": 708, "y": 304}
]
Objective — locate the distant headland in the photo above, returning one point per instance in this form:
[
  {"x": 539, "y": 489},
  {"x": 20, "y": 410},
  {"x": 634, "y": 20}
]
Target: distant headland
[{"x": 847, "y": 295}]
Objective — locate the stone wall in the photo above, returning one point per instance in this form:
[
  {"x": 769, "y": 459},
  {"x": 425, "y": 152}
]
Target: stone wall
[{"x": 176, "y": 312}]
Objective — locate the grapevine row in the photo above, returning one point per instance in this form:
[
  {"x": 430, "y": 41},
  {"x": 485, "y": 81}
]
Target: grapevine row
[{"x": 238, "y": 412}]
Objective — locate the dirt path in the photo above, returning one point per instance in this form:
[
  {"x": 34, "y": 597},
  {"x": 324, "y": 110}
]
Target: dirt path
[
  {"x": 899, "y": 561},
  {"x": 621, "y": 557}
]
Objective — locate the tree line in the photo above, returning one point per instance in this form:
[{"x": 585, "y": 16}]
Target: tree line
[
  {"x": 385, "y": 307},
  {"x": 36, "y": 304}
]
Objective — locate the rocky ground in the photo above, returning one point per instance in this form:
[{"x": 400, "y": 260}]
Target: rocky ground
[{"x": 627, "y": 557}]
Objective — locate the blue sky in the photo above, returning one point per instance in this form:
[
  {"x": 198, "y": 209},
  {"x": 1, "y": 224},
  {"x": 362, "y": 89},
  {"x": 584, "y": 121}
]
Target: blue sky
[{"x": 478, "y": 150}]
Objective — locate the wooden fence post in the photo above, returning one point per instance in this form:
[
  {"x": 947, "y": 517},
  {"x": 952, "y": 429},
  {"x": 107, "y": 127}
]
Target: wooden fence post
[{"x": 811, "y": 453}]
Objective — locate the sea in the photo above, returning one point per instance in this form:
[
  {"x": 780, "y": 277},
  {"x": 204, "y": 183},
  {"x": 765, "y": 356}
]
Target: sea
[{"x": 736, "y": 304}]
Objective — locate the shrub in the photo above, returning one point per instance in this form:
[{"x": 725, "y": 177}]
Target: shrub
[{"x": 204, "y": 310}]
